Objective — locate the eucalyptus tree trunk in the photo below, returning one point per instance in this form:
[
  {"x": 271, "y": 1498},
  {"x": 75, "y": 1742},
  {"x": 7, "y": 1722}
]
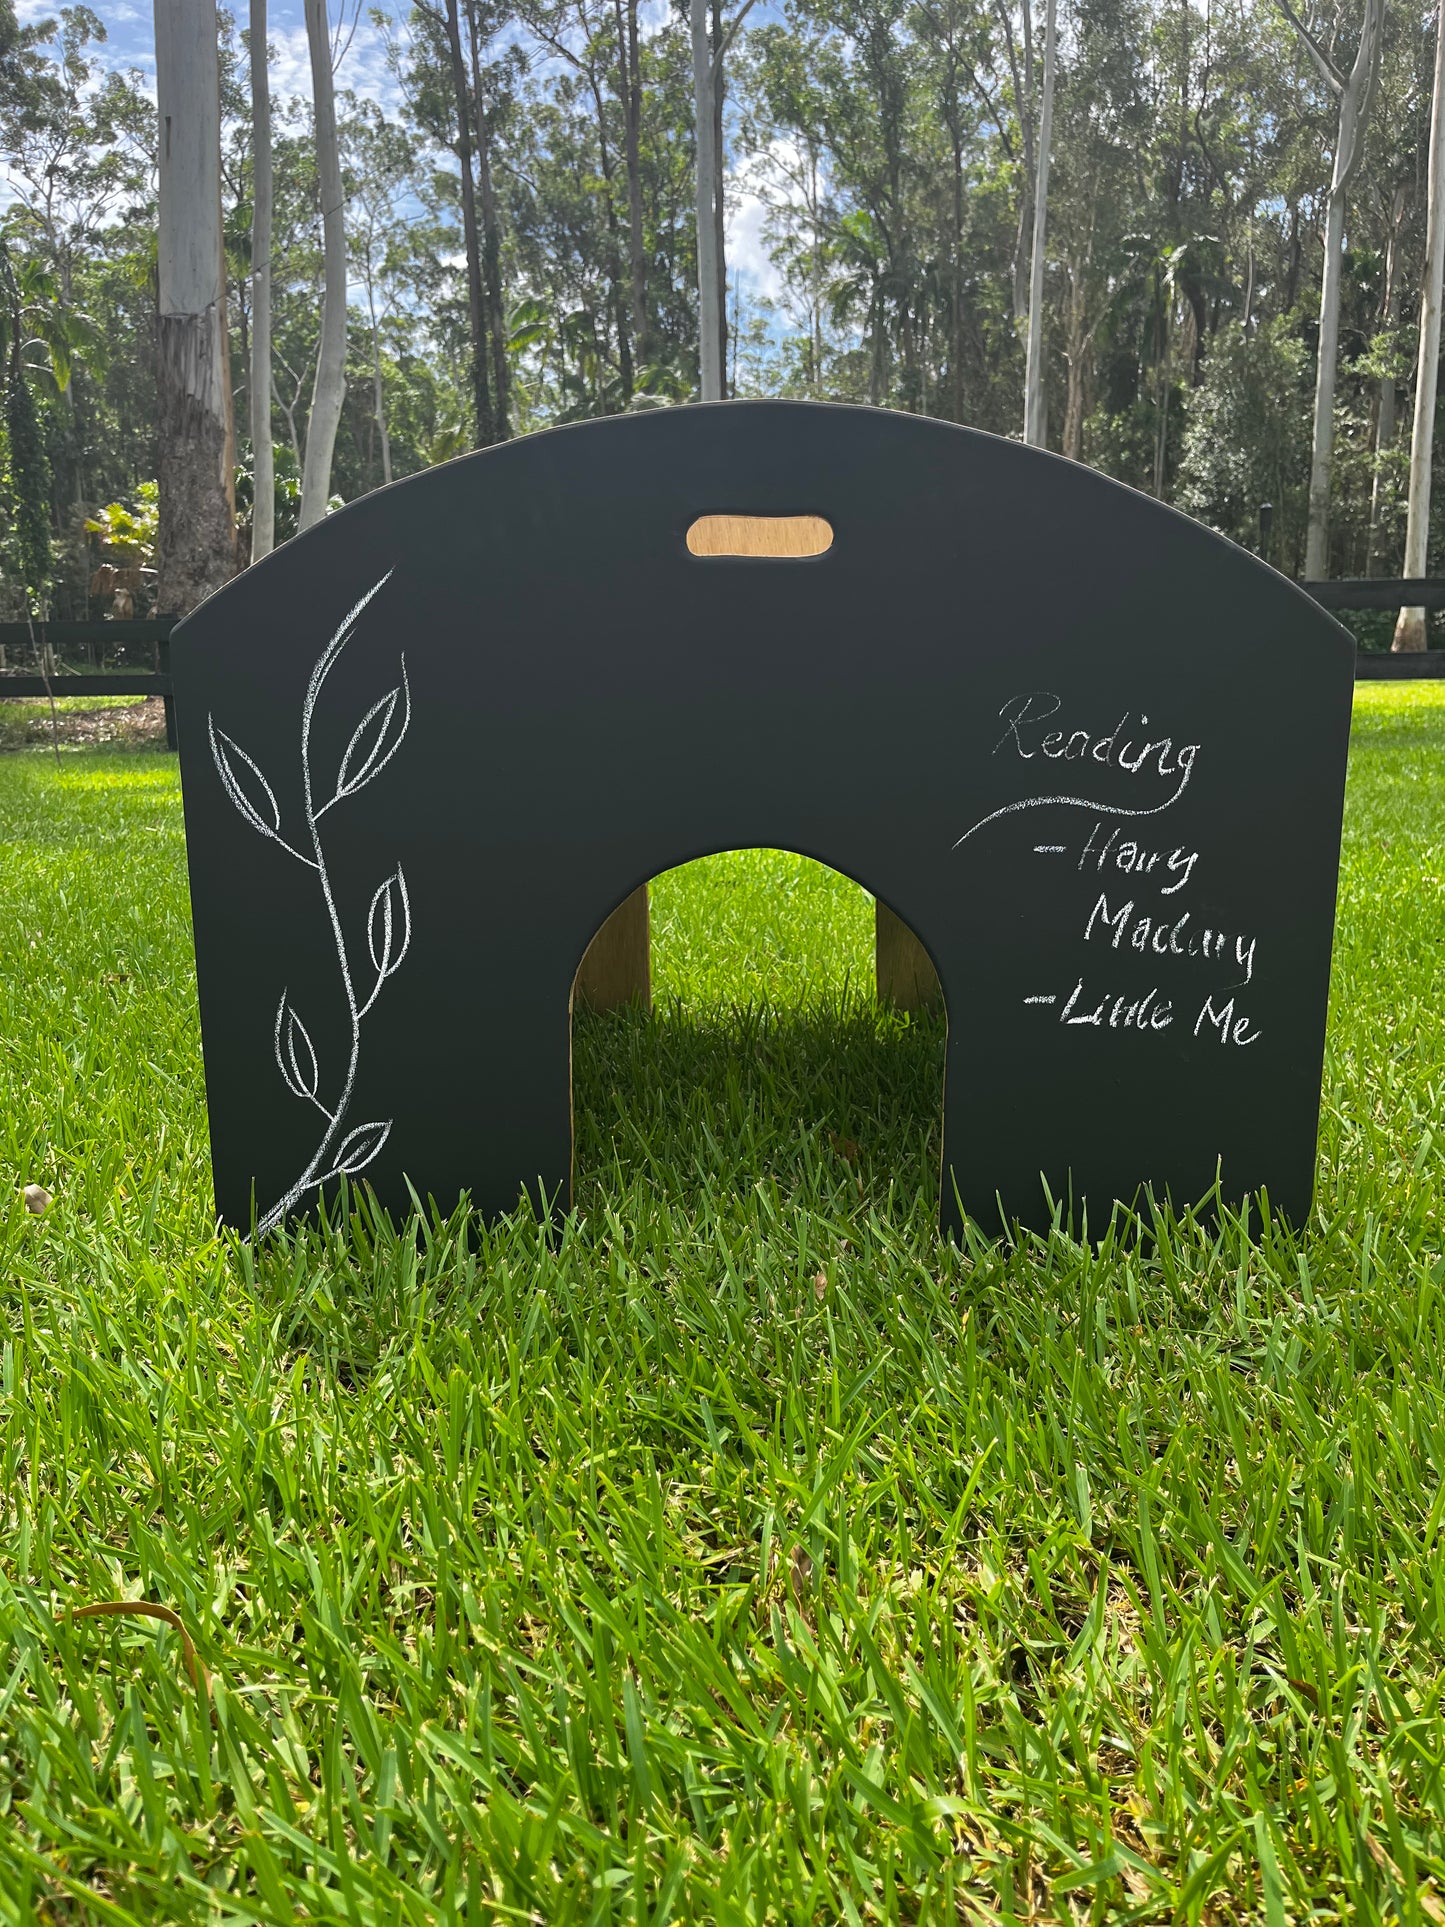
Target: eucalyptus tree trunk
[
  {"x": 476, "y": 316},
  {"x": 629, "y": 65},
  {"x": 1035, "y": 411},
  {"x": 1386, "y": 400},
  {"x": 1410, "y": 624},
  {"x": 196, "y": 538},
  {"x": 1354, "y": 92},
  {"x": 378, "y": 388},
  {"x": 1076, "y": 354},
  {"x": 1023, "y": 86},
  {"x": 491, "y": 244},
  {"x": 709, "y": 50},
  {"x": 1317, "y": 537},
  {"x": 709, "y": 319},
  {"x": 956, "y": 319},
  {"x": 263, "y": 454},
  {"x": 719, "y": 45},
  {"x": 329, "y": 389}
]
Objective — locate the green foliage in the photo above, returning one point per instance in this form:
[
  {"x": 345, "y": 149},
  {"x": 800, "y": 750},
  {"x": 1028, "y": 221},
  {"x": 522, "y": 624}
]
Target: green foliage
[
  {"x": 1247, "y": 438},
  {"x": 745, "y": 1555},
  {"x": 287, "y": 485},
  {"x": 27, "y": 478},
  {"x": 78, "y": 318},
  {"x": 129, "y": 533}
]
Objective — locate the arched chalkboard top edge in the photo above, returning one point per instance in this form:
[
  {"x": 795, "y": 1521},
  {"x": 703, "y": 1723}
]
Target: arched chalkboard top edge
[{"x": 1091, "y": 487}]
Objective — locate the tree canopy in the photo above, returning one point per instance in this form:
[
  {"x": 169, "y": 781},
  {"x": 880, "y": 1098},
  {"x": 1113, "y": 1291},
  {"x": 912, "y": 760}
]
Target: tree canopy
[{"x": 884, "y": 150}]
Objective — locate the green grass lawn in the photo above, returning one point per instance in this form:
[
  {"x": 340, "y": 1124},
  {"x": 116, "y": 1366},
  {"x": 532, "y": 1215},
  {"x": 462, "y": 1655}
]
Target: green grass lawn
[{"x": 745, "y": 1555}]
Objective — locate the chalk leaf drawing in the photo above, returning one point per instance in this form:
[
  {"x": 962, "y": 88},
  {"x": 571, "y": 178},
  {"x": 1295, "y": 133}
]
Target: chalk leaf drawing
[{"x": 374, "y": 741}]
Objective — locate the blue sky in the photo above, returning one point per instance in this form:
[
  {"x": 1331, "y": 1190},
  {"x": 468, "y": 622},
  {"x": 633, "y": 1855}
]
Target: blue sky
[
  {"x": 131, "y": 40},
  {"x": 131, "y": 44}
]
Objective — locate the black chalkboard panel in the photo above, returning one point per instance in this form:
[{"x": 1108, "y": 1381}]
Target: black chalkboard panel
[{"x": 1091, "y": 753}]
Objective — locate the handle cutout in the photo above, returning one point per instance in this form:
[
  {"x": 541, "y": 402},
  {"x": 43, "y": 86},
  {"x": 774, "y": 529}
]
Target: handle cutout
[{"x": 773, "y": 535}]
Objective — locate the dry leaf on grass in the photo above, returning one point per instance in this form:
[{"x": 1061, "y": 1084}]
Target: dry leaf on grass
[{"x": 148, "y": 1609}]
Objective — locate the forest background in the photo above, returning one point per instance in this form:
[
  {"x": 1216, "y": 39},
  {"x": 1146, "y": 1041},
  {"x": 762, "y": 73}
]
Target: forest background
[{"x": 887, "y": 149}]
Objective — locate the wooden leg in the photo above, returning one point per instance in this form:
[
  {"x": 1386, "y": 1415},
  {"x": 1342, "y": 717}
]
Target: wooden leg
[
  {"x": 906, "y": 976},
  {"x": 617, "y": 968}
]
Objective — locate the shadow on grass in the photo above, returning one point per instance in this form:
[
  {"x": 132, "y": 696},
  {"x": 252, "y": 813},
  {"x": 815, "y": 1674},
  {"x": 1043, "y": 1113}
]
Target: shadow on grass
[
  {"x": 839, "y": 1105},
  {"x": 754, "y": 1131},
  {"x": 115, "y": 725}
]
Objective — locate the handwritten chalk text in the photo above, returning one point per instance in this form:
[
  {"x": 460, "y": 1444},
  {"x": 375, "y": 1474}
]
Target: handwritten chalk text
[
  {"x": 1124, "y": 1013},
  {"x": 1232, "y": 1029},
  {"x": 1133, "y": 859},
  {"x": 1146, "y": 934},
  {"x": 1024, "y": 718}
]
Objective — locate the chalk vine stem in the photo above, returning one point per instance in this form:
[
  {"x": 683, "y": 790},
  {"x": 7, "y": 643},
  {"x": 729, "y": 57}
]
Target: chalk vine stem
[{"x": 363, "y": 1143}]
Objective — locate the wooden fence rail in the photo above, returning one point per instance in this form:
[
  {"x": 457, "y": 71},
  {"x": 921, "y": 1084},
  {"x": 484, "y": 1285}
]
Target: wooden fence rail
[
  {"x": 71, "y": 679},
  {"x": 1379, "y": 592},
  {"x": 1387, "y": 592}
]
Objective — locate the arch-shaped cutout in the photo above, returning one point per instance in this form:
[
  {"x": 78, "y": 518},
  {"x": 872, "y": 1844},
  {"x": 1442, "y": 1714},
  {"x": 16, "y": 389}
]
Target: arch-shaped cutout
[
  {"x": 1115, "y": 827},
  {"x": 765, "y": 1040}
]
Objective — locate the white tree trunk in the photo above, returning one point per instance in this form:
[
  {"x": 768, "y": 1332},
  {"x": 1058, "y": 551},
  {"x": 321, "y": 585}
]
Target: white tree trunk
[
  {"x": 377, "y": 388},
  {"x": 1035, "y": 409},
  {"x": 1355, "y": 92},
  {"x": 196, "y": 540},
  {"x": 1386, "y": 400},
  {"x": 719, "y": 166},
  {"x": 263, "y": 456},
  {"x": 1410, "y": 626},
  {"x": 709, "y": 320},
  {"x": 1317, "y": 538},
  {"x": 329, "y": 390}
]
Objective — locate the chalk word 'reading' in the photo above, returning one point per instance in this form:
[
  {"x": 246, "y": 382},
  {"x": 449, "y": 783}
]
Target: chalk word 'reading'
[
  {"x": 1165, "y": 939},
  {"x": 1024, "y": 718}
]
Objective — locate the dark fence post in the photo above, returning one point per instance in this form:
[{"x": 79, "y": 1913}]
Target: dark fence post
[
  {"x": 1266, "y": 529},
  {"x": 163, "y": 664}
]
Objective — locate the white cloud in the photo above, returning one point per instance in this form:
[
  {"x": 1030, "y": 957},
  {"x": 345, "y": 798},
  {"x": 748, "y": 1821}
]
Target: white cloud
[
  {"x": 747, "y": 250},
  {"x": 770, "y": 179},
  {"x": 363, "y": 67},
  {"x": 129, "y": 41},
  {"x": 290, "y": 62}
]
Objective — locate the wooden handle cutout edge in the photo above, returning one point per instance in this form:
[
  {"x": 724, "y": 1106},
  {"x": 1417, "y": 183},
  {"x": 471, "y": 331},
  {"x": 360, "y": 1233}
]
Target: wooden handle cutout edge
[{"x": 770, "y": 535}]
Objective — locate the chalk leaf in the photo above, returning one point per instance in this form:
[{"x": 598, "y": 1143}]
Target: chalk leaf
[
  {"x": 376, "y": 739},
  {"x": 295, "y": 1054},
  {"x": 244, "y": 783},
  {"x": 388, "y": 925},
  {"x": 359, "y": 1147}
]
